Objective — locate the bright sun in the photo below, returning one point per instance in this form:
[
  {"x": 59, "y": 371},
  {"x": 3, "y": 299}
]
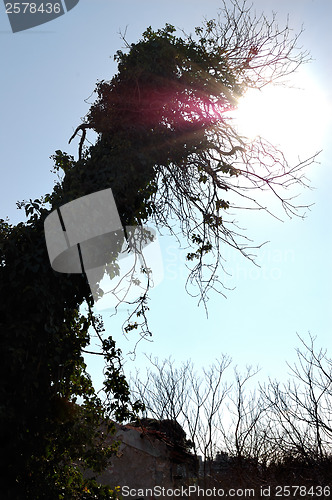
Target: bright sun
[{"x": 294, "y": 118}]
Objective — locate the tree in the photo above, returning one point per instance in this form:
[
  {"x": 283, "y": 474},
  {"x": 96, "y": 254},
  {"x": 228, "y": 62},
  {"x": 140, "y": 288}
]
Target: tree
[
  {"x": 193, "y": 167},
  {"x": 246, "y": 413},
  {"x": 168, "y": 152},
  {"x": 276, "y": 434},
  {"x": 183, "y": 396},
  {"x": 46, "y": 437},
  {"x": 301, "y": 408}
]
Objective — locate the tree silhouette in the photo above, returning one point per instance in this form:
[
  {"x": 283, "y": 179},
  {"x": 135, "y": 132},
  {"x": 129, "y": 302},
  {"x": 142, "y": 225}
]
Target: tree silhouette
[{"x": 170, "y": 155}]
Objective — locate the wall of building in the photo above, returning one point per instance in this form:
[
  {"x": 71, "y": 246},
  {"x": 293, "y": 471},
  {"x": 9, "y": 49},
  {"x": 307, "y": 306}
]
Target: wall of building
[{"x": 142, "y": 461}]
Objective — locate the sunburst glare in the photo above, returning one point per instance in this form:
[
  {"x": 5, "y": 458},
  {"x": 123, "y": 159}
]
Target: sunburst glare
[{"x": 293, "y": 118}]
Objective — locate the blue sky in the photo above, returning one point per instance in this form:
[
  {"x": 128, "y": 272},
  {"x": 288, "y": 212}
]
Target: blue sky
[{"x": 48, "y": 73}]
